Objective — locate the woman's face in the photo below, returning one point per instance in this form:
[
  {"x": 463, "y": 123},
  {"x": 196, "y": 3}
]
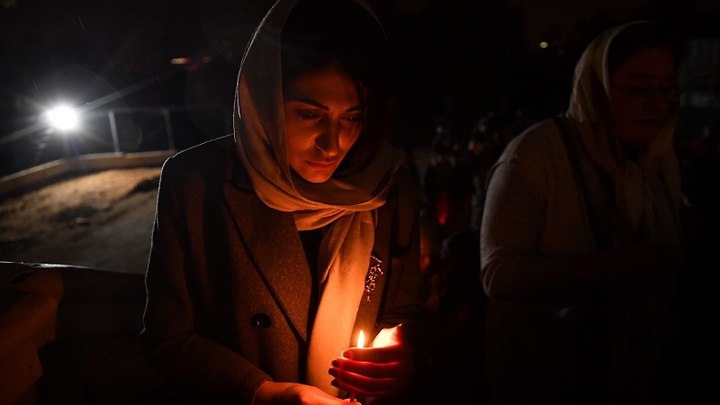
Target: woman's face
[
  {"x": 642, "y": 90},
  {"x": 323, "y": 119}
]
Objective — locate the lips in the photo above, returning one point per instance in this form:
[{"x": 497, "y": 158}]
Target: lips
[{"x": 322, "y": 165}]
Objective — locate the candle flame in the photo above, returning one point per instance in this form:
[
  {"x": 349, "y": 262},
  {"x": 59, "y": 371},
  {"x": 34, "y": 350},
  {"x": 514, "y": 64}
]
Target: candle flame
[{"x": 361, "y": 339}]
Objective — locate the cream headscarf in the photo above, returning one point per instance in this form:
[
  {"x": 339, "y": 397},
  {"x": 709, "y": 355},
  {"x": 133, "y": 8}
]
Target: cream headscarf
[
  {"x": 345, "y": 205},
  {"x": 591, "y": 110}
]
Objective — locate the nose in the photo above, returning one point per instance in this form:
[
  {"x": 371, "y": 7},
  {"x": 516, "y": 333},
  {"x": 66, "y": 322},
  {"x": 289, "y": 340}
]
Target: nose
[
  {"x": 328, "y": 140},
  {"x": 656, "y": 104}
]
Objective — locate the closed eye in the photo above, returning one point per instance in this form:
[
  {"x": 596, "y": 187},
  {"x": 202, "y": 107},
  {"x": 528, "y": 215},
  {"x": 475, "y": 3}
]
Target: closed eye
[{"x": 307, "y": 114}]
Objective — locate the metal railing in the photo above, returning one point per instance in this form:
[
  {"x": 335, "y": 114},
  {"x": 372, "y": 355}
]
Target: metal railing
[{"x": 112, "y": 131}]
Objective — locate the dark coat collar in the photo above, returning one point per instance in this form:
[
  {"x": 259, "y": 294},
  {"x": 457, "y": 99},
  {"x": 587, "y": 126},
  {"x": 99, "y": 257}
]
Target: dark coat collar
[{"x": 274, "y": 246}]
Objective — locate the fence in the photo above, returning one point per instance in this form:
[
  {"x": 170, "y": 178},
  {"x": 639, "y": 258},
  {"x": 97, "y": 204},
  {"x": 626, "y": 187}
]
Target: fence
[{"x": 113, "y": 131}]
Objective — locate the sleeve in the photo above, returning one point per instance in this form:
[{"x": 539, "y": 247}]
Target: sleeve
[
  {"x": 172, "y": 336},
  {"x": 512, "y": 267}
]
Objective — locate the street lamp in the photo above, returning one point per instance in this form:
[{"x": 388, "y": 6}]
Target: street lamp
[{"x": 63, "y": 118}]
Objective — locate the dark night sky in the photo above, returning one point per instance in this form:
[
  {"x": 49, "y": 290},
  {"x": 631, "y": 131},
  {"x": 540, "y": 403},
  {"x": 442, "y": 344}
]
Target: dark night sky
[{"x": 470, "y": 55}]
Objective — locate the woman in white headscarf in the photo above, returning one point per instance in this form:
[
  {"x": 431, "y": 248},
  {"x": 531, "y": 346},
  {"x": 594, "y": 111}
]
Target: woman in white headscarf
[
  {"x": 274, "y": 248},
  {"x": 581, "y": 236}
]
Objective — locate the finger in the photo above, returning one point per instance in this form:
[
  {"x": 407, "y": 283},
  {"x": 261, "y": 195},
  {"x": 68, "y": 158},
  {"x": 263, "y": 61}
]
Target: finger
[
  {"x": 385, "y": 354},
  {"x": 373, "y": 370},
  {"x": 364, "y": 393},
  {"x": 373, "y": 387}
]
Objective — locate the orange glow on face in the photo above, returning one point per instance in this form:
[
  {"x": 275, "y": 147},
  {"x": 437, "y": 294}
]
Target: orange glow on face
[{"x": 323, "y": 119}]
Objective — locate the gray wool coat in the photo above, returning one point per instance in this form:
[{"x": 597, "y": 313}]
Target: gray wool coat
[{"x": 229, "y": 286}]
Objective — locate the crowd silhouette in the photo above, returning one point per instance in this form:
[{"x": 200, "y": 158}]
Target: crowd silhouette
[{"x": 454, "y": 191}]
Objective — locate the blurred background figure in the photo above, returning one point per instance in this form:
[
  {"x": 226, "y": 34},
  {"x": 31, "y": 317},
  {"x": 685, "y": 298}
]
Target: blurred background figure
[
  {"x": 455, "y": 298},
  {"x": 581, "y": 236}
]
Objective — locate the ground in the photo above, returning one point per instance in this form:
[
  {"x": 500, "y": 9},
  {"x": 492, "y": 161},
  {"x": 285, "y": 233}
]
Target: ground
[{"x": 101, "y": 220}]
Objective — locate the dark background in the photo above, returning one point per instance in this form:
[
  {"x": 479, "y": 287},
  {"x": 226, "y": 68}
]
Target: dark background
[{"x": 455, "y": 61}]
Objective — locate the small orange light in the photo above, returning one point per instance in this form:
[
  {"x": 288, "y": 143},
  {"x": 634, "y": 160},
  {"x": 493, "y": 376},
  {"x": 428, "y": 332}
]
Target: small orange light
[{"x": 361, "y": 339}]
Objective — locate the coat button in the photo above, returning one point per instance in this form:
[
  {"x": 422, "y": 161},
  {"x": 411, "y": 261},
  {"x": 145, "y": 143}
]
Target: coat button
[{"x": 260, "y": 321}]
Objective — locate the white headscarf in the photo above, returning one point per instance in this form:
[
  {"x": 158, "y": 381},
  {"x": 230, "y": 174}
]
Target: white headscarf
[
  {"x": 591, "y": 110},
  {"x": 345, "y": 205}
]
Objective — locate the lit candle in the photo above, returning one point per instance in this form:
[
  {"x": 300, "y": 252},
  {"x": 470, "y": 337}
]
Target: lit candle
[{"x": 360, "y": 343}]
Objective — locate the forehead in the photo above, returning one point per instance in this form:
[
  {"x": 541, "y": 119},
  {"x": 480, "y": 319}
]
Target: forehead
[
  {"x": 648, "y": 63},
  {"x": 329, "y": 86},
  {"x": 330, "y": 73}
]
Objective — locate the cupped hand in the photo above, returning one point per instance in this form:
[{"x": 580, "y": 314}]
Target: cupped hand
[{"x": 381, "y": 371}]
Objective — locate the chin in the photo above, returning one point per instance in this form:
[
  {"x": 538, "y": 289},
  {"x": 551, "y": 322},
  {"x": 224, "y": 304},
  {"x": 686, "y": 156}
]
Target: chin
[
  {"x": 316, "y": 178},
  {"x": 641, "y": 137}
]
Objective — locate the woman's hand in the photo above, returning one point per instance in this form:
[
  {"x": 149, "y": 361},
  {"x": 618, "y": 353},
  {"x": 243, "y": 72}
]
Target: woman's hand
[
  {"x": 279, "y": 393},
  {"x": 381, "y": 371}
]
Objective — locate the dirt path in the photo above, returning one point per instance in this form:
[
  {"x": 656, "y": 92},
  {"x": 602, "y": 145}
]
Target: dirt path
[{"x": 103, "y": 220}]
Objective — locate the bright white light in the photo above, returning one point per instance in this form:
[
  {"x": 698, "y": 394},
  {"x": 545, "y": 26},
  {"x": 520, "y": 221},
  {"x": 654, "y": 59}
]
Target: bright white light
[
  {"x": 63, "y": 118},
  {"x": 543, "y": 44},
  {"x": 361, "y": 339},
  {"x": 180, "y": 61}
]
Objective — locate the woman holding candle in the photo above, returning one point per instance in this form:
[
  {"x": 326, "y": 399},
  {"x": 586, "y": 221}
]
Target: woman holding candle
[
  {"x": 581, "y": 236},
  {"x": 274, "y": 247}
]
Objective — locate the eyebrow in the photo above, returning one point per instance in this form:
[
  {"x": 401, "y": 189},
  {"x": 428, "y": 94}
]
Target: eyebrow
[{"x": 322, "y": 106}]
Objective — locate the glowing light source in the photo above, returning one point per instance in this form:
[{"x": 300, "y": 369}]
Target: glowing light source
[
  {"x": 387, "y": 337},
  {"x": 543, "y": 44},
  {"x": 180, "y": 61},
  {"x": 360, "y": 343},
  {"x": 64, "y": 118}
]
